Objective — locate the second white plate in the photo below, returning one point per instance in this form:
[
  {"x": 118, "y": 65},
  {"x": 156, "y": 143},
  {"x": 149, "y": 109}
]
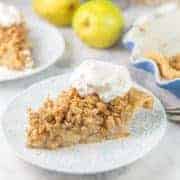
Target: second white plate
[{"x": 47, "y": 47}]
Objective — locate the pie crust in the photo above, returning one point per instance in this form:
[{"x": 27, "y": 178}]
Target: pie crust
[{"x": 169, "y": 67}]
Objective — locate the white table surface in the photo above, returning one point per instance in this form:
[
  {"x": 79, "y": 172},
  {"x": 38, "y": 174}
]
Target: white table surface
[{"x": 162, "y": 163}]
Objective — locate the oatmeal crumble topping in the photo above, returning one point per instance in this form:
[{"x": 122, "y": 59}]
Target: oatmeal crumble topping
[
  {"x": 71, "y": 119},
  {"x": 15, "y": 53},
  {"x": 15, "y": 50}
]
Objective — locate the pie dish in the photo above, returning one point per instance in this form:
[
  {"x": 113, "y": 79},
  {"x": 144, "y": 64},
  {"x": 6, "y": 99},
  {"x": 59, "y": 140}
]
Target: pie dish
[
  {"x": 146, "y": 130},
  {"x": 156, "y": 50},
  {"x": 15, "y": 48},
  {"x": 90, "y": 111}
]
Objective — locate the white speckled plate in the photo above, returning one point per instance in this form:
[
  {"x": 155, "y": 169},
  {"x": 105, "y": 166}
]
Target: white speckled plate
[
  {"x": 47, "y": 47},
  {"x": 147, "y": 129}
]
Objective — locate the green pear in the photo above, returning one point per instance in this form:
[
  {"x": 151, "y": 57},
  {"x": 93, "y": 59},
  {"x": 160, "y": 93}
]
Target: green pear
[
  {"x": 99, "y": 23},
  {"x": 58, "y": 12}
]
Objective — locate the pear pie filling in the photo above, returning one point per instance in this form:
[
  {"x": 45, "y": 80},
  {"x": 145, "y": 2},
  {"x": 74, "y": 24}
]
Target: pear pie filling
[{"x": 87, "y": 112}]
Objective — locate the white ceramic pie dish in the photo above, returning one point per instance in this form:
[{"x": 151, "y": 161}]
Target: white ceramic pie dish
[
  {"x": 48, "y": 46},
  {"x": 147, "y": 129},
  {"x": 131, "y": 42}
]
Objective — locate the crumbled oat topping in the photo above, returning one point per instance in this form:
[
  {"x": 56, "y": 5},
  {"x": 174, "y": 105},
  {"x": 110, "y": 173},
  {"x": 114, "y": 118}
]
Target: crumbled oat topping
[
  {"x": 72, "y": 119},
  {"x": 15, "y": 51},
  {"x": 169, "y": 67},
  {"x": 175, "y": 62}
]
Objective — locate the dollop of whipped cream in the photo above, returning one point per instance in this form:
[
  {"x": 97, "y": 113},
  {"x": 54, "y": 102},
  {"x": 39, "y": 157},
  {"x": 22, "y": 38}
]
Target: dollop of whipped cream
[
  {"x": 105, "y": 79},
  {"x": 9, "y": 15}
]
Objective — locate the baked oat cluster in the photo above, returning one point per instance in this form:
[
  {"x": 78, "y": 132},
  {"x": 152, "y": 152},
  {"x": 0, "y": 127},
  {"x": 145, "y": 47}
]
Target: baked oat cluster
[
  {"x": 15, "y": 51},
  {"x": 72, "y": 119}
]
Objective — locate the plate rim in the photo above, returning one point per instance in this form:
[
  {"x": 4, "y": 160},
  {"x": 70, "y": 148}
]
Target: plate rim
[{"x": 69, "y": 171}]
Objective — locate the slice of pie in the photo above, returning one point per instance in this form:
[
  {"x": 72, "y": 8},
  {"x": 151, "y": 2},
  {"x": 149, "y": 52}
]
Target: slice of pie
[
  {"x": 73, "y": 118},
  {"x": 15, "y": 49}
]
